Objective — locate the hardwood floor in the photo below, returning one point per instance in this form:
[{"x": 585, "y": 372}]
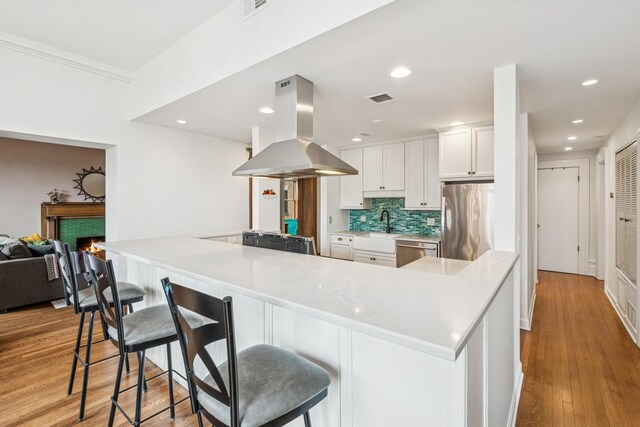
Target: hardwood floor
[
  {"x": 35, "y": 359},
  {"x": 581, "y": 368}
]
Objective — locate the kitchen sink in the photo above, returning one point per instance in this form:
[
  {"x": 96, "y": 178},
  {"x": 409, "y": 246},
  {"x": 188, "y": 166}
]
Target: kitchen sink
[
  {"x": 382, "y": 235},
  {"x": 376, "y": 242}
]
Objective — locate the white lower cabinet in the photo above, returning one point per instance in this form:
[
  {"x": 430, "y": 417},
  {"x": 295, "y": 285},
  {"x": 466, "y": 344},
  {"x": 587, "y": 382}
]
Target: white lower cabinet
[
  {"x": 342, "y": 246},
  {"x": 388, "y": 260}
]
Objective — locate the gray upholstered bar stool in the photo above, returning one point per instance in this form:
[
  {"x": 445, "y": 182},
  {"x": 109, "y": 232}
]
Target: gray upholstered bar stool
[
  {"x": 134, "y": 333},
  {"x": 84, "y": 301},
  {"x": 262, "y": 385}
]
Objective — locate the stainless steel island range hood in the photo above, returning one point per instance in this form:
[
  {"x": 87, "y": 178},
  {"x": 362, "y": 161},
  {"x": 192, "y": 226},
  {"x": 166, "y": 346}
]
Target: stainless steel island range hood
[{"x": 293, "y": 155}]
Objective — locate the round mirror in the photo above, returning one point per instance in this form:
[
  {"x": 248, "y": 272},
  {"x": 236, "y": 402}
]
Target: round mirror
[{"x": 91, "y": 184}]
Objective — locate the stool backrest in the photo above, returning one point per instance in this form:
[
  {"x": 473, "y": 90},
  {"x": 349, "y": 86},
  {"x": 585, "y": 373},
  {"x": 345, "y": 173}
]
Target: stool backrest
[
  {"x": 69, "y": 279},
  {"x": 103, "y": 277},
  {"x": 218, "y": 325}
]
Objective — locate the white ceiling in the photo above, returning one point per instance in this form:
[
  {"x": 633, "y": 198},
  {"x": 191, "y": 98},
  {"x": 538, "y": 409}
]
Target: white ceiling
[
  {"x": 452, "y": 48},
  {"x": 122, "y": 33}
]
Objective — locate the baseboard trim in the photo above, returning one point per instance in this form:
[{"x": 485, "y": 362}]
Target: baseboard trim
[
  {"x": 515, "y": 398},
  {"x": 592, "y": 267},
  {"x": 525, "y": 323},
  {"x": 614, "y": 304}
]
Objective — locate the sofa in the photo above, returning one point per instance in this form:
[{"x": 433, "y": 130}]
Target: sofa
[{"x": 23, "y": 281}]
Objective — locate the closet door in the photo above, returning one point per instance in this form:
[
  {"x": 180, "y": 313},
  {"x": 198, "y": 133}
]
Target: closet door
[{"x": 626, "y": 211}]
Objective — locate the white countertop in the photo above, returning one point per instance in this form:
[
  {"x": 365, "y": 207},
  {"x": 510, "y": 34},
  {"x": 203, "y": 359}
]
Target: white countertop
[
  {"x": 445, "y": 266},
  {"x": 428, "y": 312},
  {"x": 416, "y": 237}
]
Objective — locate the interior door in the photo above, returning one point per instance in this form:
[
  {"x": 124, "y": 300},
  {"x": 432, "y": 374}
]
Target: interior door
[{"x": 558, "y": 219}]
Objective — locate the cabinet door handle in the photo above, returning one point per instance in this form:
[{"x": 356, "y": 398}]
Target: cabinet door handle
[
  {"x": 473, "y": 172},
  {"x": 360, "y": 203},
  {"x": 468, "y": 172},
  {"x": 339, "y": 239}
]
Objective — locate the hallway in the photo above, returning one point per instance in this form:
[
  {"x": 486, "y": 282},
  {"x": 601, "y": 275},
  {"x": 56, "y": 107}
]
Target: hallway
[{"x": 580, "y": 366}]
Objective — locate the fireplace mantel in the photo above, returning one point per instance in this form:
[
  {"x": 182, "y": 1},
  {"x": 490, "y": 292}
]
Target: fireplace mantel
[{"x": 52, "y": 213}]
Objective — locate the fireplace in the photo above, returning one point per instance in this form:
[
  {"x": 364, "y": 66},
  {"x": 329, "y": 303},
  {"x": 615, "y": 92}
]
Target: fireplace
[{"x": 84, "y": 244}]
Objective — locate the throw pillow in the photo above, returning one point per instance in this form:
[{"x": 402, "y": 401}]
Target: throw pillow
[
  {"x": 16, "y": 250},
  {"x": 3, "y": 257},
  {"x": 34, "y": 238},
  {"x": 40, "y": 249}
]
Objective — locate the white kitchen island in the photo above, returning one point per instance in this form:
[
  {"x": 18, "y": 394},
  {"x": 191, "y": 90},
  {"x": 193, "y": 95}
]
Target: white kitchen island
[{"x": 404, "y": 347}]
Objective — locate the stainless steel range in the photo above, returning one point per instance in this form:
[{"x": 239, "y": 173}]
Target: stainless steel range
[{"x": 280, "y": 242}]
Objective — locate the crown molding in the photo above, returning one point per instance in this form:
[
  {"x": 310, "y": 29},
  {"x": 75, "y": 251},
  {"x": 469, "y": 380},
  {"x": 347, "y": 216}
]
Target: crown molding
[{"x": 62, "y": 57}]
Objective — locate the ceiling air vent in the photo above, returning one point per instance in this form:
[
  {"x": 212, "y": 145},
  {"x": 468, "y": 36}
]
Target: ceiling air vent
[
  {"x": 383, "y": 97},
  {"x": 253, "y": 6},
  {"x": 364, "y": 134}
]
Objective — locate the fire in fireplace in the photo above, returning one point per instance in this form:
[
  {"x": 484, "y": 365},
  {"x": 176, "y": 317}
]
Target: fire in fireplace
[{"x": 84, "y": 244}]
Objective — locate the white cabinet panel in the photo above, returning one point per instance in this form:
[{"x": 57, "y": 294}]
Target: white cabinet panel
[
  {"x": 467, "y": 154},
  {"x": 455, "y": 154},
  {"x": 375, "y": 258},
  {"x": 319, "y": 342},
  {"x": 393, "y": 167},
  {"x": 351, "y": 185},
  {"x": 341, "y": 251},
  {"x": 381, "y": 369},
  {"x": 383, "y": 168},
  {"x": 422, "y": 186},
  {"x": 372, "y": 174},
  {"x": 433, "y": 192},
  {"x": 482, "y": 141},
  {"x": 415, "y": 174}
]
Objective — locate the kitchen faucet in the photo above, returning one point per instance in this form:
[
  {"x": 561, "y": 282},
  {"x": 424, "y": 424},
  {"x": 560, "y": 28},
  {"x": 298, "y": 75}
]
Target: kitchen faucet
[{"x": 388, "y": 219}]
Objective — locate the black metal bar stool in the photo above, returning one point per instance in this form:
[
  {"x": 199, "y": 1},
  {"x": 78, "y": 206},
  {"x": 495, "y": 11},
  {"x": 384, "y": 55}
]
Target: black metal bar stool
[
  {"x": 262, "y": 385},
  {"x": 84, "y": 301},
  {"x": 134, "y": 333}
]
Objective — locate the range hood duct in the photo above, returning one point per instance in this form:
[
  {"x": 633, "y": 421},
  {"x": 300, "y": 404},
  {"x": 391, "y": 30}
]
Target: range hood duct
[{"x": 293, "y": 155}]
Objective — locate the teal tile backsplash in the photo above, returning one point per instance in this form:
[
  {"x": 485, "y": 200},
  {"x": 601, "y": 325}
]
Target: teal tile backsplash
[{"x": 403, "y": 222}]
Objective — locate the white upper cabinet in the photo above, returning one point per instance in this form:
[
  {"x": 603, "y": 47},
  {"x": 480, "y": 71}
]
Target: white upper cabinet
[
  {"x": 482, "y": 145},
  {"x": 384, "y": 168},
  {"x": 466, "y": 154},
  {"x": 393, "y": 167},
  {"x": 372, "y": 169},
  {"x": 422, "y": 187},
  {"x": 351, "y": 196}
]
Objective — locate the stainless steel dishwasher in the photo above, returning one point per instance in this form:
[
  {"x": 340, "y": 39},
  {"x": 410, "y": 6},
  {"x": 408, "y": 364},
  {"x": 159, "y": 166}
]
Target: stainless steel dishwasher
[{"x": 412, "y": 250}]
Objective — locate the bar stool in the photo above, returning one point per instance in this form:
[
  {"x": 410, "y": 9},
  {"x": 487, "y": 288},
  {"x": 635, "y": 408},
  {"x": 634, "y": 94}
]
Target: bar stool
[
  {"x": 263, "y": 385},
  {"x": 134, "y": 333},
  {"x": 84, "y": 301}
]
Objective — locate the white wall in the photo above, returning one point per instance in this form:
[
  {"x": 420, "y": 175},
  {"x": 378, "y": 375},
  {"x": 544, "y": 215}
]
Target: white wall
[
  {"x": 266, "y": 210},
  {"x": 227, "y": 43},
  {"x": 329, "y": 206},
  {"x": 527, "y": 157},
  {"x": 29, "y": 170},
  {"x": 591, "y": 155},
  {"x": 160, "y": 181}
]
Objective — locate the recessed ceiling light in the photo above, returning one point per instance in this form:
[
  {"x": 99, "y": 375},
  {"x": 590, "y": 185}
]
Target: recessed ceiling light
[
  {"x": 400, "y": 72},
  {"x": 568, "y": 148},
  {"x": 456, "y": 123},
  {"x": 266, "y": 110},
  {"x": 589, "y": 82},
  {"x": 572, "y": 138},
  {"x": 575, "y": 122},
  {"x": 182, "y": 122},
  {"x": 356, "y": 139},
  {"x": 377, "y": 121}
]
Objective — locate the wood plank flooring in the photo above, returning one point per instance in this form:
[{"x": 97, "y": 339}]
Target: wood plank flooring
[
  {"x": 581, "y": 368},
  {"x": 35, "y": 360}
]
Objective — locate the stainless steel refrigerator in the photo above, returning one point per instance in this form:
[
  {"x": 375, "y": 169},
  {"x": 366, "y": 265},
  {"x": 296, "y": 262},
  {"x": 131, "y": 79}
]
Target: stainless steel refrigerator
[{"x": 467, "y": 220}]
